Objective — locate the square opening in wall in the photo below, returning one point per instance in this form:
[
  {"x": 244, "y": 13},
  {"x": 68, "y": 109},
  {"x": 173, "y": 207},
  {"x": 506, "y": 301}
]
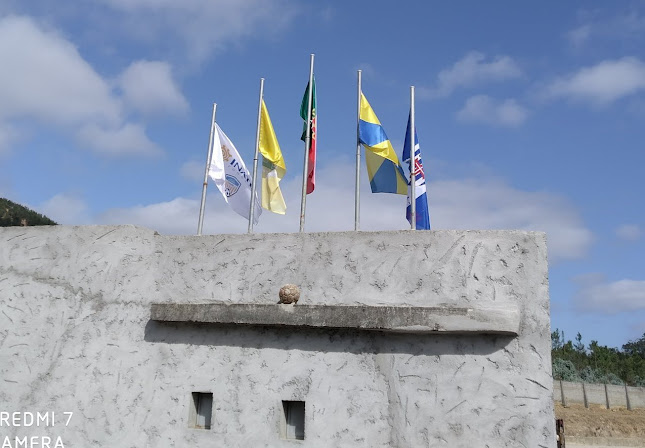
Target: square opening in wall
[
  {"x": 294, "y": 420},
  {"x": 202, "y": 410}
]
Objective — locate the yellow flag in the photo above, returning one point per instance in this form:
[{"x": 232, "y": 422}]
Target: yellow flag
[{"x": 273, "y": 167}]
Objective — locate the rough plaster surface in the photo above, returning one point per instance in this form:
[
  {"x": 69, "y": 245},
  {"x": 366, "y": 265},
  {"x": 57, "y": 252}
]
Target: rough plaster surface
[{"x": 76, "y": 336}]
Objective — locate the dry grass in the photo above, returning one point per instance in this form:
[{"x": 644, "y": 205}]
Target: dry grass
[{"x": 597, "y": 421}]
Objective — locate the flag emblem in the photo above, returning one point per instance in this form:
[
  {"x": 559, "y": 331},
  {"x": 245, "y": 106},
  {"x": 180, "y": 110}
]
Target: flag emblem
[
  {"x": 232, "y": 185},
  {"x": 226, "y": 154}
]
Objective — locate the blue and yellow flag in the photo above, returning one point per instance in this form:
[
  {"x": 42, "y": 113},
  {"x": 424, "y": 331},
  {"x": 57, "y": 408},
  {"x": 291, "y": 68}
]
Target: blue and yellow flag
[{"x": 383, "y": 167}]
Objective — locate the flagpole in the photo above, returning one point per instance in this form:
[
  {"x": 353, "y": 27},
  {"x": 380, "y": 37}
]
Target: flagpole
[
  {"x": 305, "y": 173},
  {"x": 357, "y": 202},
  {"x": 209, "y": 156},
  {"x": 255, "y": 159},
  {"x": 413, "y": 164}
]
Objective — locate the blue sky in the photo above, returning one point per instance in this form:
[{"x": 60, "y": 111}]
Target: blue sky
[{"x": 528, "y": 116}]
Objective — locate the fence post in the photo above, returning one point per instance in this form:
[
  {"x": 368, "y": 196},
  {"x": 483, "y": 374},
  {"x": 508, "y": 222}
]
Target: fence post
[
  {"x": 629, "y": 405},
  {"x": 563, "y": 398},
  {"x": 606, "y": 396},
  {"x": 584, "y": 395}
]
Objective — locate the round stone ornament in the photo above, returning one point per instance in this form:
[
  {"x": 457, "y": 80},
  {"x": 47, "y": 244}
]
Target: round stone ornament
[{"x": 289, "y": 294}]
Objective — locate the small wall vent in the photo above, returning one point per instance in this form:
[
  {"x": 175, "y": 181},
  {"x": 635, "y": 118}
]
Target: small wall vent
[
  {"x": 201, "y": 410},
  {"x": 293, "y": 420}
]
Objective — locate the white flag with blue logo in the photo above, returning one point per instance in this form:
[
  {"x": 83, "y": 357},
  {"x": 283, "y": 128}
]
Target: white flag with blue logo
[
  {"x": 423, "y": 217},
  {"x": 228, "y": 171}
]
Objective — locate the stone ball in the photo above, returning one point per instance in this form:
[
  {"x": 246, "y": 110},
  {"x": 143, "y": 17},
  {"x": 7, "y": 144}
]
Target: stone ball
[{"x": 289, "y": 294}]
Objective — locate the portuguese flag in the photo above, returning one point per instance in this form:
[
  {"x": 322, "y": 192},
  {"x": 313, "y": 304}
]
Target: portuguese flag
[{"x": 304, "y": 111}]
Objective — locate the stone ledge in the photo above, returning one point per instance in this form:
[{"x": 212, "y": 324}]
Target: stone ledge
[{"x": 398, "y": 319}]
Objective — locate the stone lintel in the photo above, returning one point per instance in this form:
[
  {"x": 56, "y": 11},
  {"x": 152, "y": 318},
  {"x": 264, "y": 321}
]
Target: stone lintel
[{"x": 399, "y": 319}]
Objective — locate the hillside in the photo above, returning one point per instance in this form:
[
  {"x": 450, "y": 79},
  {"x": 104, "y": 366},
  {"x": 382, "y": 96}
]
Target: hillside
[
  {"x": 12, "y": 214},
  {"x": 616, "y": 426}
]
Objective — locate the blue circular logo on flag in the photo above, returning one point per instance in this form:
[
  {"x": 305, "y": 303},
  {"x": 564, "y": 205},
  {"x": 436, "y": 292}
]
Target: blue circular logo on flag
[{"x": 232, "y": 185}]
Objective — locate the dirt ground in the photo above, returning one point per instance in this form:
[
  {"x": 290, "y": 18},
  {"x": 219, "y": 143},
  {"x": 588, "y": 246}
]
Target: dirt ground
[{"x": 597, "y": 421}]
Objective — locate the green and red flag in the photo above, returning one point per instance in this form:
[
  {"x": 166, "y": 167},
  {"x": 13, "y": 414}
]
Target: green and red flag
[{"x": 304, "y": 112}]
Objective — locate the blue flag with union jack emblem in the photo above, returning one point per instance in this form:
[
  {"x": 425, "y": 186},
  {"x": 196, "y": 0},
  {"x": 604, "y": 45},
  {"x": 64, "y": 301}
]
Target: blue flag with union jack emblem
[{"x": 423, "y": 216}]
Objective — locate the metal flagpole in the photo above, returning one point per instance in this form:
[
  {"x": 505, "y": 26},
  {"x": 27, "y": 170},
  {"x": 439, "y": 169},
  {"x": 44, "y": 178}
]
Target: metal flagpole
[
  {"x": 357, "y": 201},
  {"x": 208, "y": 164},
  {"x": 255, "y": 159},
  {"x": 305, "y": 173},
  {"x": 413, "y": 164}
]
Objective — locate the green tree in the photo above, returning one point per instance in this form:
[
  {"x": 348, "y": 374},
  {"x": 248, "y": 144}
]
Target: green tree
[
  {"x": 598, "y": 363},
  {"x": 579, "y": 347},
  {"x": 636, "y": 348},
  {"x": 13, "y": 214},
  {"x": 557, "y": 340},
  {"x": 565, "y": 370}
]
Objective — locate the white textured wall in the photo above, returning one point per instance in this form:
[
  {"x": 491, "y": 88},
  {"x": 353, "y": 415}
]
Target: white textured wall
[{"x": 75, "y": 335}]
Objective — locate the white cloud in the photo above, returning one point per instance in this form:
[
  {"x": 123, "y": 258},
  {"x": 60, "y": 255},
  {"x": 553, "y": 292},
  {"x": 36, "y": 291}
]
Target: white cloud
[
  {"x": 49, "y": 80},
  {"x": 203, "y": 26},
  {"x": 624, "y": 26},
  {"x": 601, "y": 84},
  {"x": 629, "y": 232},
  {"x": 471, "y": 70},
  {"x": 7, "y": 136},
  {"x": 492, "y": 204},
  {"x": 50, "y": 83},
  {"x": 193, "y": 170},
  {"x": 484, "y": 109},
  {"x": 455, "y": 204},
  {"x": 178, "y": 216},
  {"x": 148, "y": 86},
  {"x": 594, "y": 294},
  {"x": 65, "y": 209},
  {"x": 580, "y": 35},
  {"x": 130, "y": 139}
]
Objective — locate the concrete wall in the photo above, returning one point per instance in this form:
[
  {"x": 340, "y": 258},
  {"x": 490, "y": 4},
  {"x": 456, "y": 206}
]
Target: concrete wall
[
  {"x": 616, "y": 395},
  {"x": 573, "y": 394},
  {"x": 637, "y": 397},
  {"x": 76, "y": 336}
]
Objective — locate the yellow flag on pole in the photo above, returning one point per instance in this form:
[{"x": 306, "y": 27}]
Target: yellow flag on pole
[{"x": 273, "y": 167}]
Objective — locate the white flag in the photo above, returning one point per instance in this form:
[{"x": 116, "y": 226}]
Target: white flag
[{"x": 232, "y": 178}]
